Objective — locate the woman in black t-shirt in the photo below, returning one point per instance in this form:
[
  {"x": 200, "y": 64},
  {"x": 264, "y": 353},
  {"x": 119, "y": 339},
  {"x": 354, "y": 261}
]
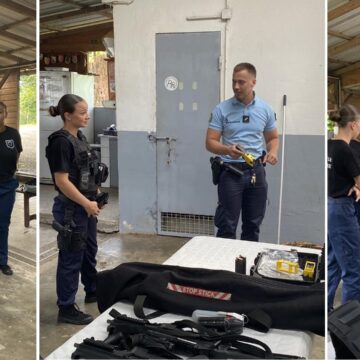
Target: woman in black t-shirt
[
  {"x": 343, "y": 192},
  {"x": 10, "y": 149},
  {"x": 75, "y": 209},
  {"x": 355, "y": 147}
]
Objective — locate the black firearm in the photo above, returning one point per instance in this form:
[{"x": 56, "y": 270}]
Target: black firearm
[
  {"x": 65, "y": 233},
  {"x": 133, "y": 339},
  {"x": 200, "y": 340},
  {"x": 137, "y": 339},
  {"x": 102, "y": 199},
  {"x": 95, "y": 349}
]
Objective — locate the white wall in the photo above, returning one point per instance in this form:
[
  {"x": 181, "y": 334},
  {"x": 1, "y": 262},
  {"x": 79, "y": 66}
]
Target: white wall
[{"x": 284, "y": 39}]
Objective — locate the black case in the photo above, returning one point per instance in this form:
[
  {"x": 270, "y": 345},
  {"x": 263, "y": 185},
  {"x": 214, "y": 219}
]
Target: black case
[
  {"x": 303, "y": 257},
  {"x": 344, "y": 328}
]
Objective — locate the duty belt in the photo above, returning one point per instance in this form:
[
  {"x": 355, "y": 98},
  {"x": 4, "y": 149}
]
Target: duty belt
[
  {"x": 91, "y": 195},
  {"x": 244, "y": 166}
]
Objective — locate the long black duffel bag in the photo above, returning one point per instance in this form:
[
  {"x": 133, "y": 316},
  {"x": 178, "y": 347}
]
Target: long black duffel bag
[{"x": 181, "y": 290}]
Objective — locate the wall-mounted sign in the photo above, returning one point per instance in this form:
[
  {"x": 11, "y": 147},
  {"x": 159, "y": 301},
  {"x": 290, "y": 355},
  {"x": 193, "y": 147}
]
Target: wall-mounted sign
[{"x": 171, "y": 83}]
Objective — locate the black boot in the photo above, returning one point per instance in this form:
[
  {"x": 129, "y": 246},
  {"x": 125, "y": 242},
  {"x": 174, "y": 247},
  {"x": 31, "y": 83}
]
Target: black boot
[
  {"x": 6, "y": 269},
  {"x": 72, "y": 315}
]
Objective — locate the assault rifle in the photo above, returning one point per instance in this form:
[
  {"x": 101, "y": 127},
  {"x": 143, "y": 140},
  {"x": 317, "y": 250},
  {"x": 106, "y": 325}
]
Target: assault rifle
[{"x": 95, "y": 349}]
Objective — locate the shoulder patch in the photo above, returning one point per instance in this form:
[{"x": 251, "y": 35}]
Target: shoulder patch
[
  {"x": 275, "y": 116},
  {"x": 210, "y": 118}
]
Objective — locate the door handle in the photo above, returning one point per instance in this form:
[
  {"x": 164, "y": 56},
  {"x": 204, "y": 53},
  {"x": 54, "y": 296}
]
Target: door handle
[
  {"x": 154, "y": 138},
  {"x": 171, "y": 145}
]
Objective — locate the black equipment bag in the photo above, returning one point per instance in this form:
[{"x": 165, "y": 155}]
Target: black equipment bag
[
  {"x": 181, "y": 290},
  {"x": 344, "y": 327}
]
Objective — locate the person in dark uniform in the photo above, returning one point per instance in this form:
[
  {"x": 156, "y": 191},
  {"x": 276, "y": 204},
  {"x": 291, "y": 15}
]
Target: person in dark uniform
[
  {"x": 73, "y": 167},
  {"x": 244, "y": 120},
  {"x": 10, "y": 149},
  {"x": 343, "y": 192},
  {"x": 355, "y": 147}
]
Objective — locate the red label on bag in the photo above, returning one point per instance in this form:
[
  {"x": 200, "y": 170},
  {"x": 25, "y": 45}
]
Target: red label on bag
[{"x": 199, "y": 292}]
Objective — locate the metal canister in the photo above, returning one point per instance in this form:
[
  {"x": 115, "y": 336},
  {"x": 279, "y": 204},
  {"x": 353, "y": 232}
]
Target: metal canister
[{"x": 240, "y": 265}]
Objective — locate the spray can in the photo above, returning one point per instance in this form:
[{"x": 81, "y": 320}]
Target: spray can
[{"x": 240, "y": 265}]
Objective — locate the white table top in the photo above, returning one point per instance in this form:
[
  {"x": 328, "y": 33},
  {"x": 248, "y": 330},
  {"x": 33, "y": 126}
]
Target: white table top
[{"x": 212, "y": 253}]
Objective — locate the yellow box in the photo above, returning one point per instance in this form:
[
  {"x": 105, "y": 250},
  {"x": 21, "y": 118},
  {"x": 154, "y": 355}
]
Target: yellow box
[
  {"x": 287, "y": 266},
  {"x": 309, "y": 269}
]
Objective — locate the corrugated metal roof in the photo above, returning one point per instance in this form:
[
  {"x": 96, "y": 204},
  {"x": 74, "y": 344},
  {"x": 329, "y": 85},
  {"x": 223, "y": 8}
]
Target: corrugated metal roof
[
  {"x": 332, "y": 4},
  {"x": 344, "y": 34},
  {"x": 62, "y": 15},
  {"x": 17, "y": 33}
]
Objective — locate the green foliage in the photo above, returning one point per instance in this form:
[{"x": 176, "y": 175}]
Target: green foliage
[
  {"x": 93, "y": 55},
  {"x": 28, "y": 99},
  {"x": 330, "y": 125}
]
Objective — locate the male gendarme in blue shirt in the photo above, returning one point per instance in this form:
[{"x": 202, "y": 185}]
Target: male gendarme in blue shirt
[{"x": 244, "y": 120}]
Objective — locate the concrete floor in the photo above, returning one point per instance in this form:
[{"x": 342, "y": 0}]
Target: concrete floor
[
  {"x": 113, "y": 250},
  {"x": 17, "y": 304},
  {"x": 18, "y": 292}
]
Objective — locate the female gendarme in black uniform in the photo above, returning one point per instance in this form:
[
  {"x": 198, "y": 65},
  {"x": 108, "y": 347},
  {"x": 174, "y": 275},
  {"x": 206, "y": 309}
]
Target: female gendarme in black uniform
[
  {"x": 343, "y": 191},
  {"x": 355, "y": 147},
  {"x": 10, "y": 149},
  {"x": 75, "y": 171}
]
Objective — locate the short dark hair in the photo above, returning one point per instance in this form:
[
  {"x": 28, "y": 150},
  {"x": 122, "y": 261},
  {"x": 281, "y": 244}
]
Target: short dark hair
[
  {"x": 346, "y": 114},
  {"x": 66, "y": 104},
  {"x": 245, "y": 66}
]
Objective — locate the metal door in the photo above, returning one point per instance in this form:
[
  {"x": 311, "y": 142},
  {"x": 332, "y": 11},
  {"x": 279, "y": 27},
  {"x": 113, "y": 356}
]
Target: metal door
[{"x": 187, "y": 89}]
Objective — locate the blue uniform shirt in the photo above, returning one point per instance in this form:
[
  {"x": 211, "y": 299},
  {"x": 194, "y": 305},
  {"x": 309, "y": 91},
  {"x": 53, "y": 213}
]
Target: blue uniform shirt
[{"x": 243, "y": 124}]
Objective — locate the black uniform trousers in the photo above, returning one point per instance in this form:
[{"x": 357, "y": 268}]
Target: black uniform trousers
[
  {"x": 72, "y": 263},
  {"x": 7, "y": 200},
  {"x": 237, "y": 194}
]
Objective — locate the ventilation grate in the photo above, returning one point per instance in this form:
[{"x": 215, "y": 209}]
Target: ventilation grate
[{"x": 187, "y": 224}]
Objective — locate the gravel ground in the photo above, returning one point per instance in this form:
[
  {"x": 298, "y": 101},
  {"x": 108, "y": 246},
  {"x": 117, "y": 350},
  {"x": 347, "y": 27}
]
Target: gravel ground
[{"x": 27, "y": 162}]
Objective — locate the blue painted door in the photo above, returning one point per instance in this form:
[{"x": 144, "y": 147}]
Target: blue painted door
[{"x": 187, "y": 89}]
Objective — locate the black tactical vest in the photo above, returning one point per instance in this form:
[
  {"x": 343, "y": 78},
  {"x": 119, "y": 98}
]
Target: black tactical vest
[{"x": 85, "y": 161}]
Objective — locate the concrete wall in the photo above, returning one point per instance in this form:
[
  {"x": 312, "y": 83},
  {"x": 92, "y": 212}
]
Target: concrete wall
[{"x": 285, "y": 41}]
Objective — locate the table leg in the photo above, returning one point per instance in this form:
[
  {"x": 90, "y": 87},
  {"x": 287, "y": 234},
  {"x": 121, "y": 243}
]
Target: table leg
[{"x": 26, "y": 210}]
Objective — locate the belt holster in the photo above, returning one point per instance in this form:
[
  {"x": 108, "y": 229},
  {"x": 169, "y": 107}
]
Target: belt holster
[
  {"x": 217, "y": 165},
  {"x": 216, "y": 169},
  {"x": 68, "y": 238}
]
